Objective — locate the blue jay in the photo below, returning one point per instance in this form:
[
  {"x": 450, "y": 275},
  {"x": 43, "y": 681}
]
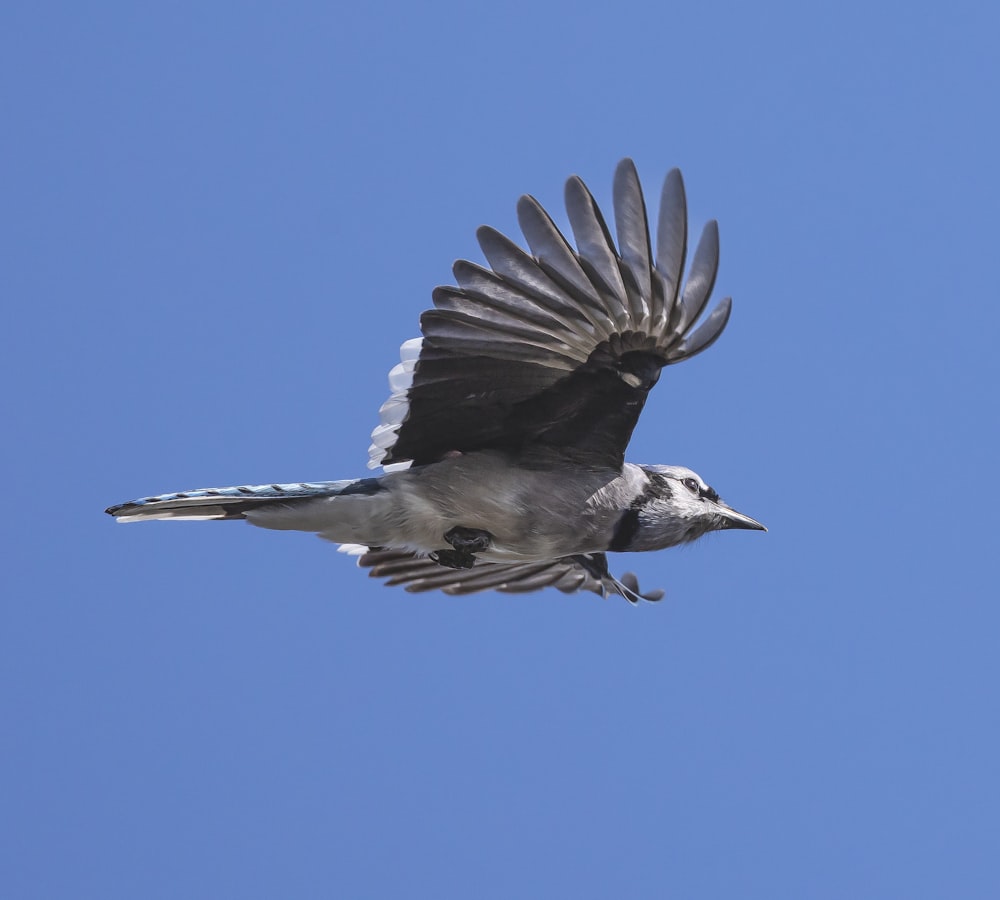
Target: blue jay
[{"x": 503, "y": 441}]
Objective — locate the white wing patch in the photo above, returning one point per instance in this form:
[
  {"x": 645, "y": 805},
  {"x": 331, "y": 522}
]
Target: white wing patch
[
  {"x": 353, "y": 549},
  {"x": 395, "y": 410}
]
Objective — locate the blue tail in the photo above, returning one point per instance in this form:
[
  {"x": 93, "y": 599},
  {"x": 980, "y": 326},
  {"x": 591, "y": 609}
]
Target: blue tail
[{"x": 233, "y": 502}]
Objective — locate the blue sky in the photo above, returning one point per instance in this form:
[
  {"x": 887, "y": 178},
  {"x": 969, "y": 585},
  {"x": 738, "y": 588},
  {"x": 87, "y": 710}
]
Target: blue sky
[{"x": 220, "y": 221}]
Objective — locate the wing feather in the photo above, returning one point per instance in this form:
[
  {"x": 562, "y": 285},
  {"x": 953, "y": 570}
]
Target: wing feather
[
  {"x": 633, "y": 239},
  {"x": 596, "y": 250},
  {"x": 523, "y": 273},
  {"x": 701, "y": 278},
  {"x": 554, "y": 254},
  {"x": 671, "y": 242},
  {"x": 707, "y": 333},
  {"x": 556, "y": 347},
  {"x": 569, "y": 575}
]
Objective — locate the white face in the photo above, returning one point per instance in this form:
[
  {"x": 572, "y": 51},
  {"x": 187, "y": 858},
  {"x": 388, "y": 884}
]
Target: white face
[
  {"x": 684, "y": 508},
  {"x": 680, "y": 511}
]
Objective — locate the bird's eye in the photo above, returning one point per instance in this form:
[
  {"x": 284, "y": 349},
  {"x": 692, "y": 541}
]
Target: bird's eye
[{"x": 692, "y": 485}]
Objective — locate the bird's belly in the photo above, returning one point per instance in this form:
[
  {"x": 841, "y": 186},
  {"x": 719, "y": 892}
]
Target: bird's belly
[{"x": 530, "y": 515}]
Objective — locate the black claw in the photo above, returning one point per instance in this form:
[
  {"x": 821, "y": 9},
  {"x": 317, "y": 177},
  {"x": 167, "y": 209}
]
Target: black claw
[{"x": 469, "y": 540}]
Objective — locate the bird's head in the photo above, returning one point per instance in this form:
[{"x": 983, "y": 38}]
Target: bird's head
[{"x": 679, "y": 507}]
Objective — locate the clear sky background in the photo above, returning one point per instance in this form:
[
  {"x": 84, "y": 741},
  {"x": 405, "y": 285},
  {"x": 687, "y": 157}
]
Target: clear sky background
[{"x": 220, "y": 220}]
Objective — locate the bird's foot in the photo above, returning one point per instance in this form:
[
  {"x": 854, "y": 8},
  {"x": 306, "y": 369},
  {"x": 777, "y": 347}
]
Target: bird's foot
[
  {"x": 466, "y": 542},
  {"x": 453, "y": 559},
  {"x": 469, "y": 540}
]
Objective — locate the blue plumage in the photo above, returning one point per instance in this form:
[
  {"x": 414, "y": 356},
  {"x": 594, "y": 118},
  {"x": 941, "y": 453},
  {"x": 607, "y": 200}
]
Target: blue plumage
[{"x": 232, "y": 502}]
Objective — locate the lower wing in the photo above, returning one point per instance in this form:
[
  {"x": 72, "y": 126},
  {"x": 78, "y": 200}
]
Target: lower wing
[{"x": 584, "y": 572}]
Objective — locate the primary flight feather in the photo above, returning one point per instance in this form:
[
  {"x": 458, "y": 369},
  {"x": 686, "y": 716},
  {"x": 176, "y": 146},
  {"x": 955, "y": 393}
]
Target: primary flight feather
[{"x": 503, "y": 439}]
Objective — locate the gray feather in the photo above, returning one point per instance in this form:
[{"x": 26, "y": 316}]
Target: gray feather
[
  {"x": 553, "y": 253},
  {"x": 671, "y": 240},
  {"x": 597, "y": 252},
  {"x": 230, "y": 502},
  {"x": 701, "y": 278},
  {"x": 418, "y": 574},
  {"x": 633, "y": 237}
]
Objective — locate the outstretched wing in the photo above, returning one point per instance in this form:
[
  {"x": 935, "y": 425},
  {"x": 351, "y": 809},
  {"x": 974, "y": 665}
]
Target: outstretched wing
[
  {"x": 557, "y": 348},
  {"x": 570, "y": 574}
]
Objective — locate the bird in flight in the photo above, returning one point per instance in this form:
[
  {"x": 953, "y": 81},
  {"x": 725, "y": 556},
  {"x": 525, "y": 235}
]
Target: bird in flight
[{"x": 502, "y": 443}]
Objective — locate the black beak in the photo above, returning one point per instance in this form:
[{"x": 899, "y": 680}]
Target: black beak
[{"x": 732, "y": 519}]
